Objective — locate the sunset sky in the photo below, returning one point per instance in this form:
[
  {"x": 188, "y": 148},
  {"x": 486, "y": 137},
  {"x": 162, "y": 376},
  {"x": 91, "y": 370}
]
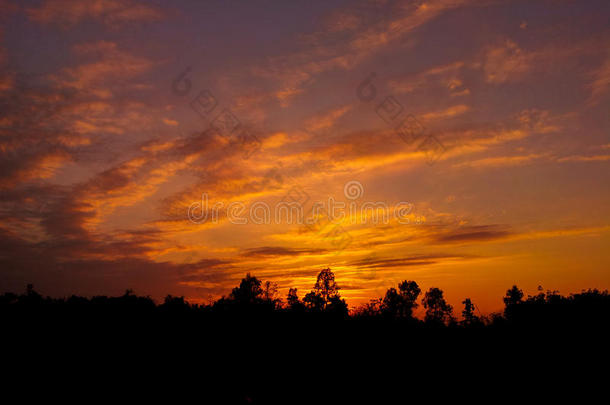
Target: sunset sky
[{"x": 489, "y": 119}]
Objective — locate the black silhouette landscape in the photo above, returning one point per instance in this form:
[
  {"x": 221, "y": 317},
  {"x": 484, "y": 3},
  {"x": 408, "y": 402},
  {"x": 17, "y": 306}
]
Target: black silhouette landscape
[
  {"x": 257, "y": 300},
  {"x": 244, "y": 337}
]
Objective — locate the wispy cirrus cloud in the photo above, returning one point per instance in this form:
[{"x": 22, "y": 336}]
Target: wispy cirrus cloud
[
  {"x": 326, "y": 120},
  {"x": 412, "y": 260},
  {"x": 447, "y": 75},
  {"x": 109, "y": 12},
  {"x": 450, "y": 112},
  {"x": 342, "y": 49}
]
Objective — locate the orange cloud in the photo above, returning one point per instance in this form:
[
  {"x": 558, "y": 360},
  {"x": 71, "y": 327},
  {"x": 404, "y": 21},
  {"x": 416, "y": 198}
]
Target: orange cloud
[
  {"x": 326, "y": 120},
  {"x": 500, "y": 161},
  {"x": 447, "y": 113},
  {"x": 601, "y": 81},
  {"x": 505, "y": 62},
  {"x": 112, "y": 63},
  {"x": 25, "y": 167},
  {"x": 171, "y": 123},
  {"x": 446, "y": 74}
]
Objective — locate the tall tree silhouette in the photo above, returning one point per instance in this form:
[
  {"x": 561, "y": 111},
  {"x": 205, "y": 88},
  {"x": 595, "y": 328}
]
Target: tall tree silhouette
[
  {"x": 325, "y": 291},
  {"x": 468, "y": 312},
  {"x": 437, "y": 309},
  {"x": 325, "y": 285}
]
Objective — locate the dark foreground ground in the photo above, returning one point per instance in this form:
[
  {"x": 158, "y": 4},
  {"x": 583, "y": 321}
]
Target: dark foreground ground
[{"x": 129, "y": 347}]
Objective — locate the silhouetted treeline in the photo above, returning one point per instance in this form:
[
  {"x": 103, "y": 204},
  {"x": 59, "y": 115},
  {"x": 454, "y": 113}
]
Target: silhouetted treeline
[
  {"x": 253, "y": 346},
  {"x": 255, "y": 300}
]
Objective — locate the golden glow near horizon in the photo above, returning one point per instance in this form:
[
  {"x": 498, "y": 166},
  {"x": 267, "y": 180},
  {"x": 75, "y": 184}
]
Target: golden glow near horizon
[{"x": 158, "y": 147}]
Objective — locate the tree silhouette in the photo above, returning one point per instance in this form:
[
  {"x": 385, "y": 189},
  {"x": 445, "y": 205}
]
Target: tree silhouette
[
  {"x": 410, "y": 290},
  {"x": 292, "y": 298},
  {"x": 32, "y": 297},
  {"x": 401, "y": 303},
  {"x": 314, "y": 301},
  {"x": 248, "y": 292},
  {"x": 325, "y": 285},
  {"x": 370, "y": 310},
  {"x": 468, "y": 312},
  {"x": 254, "y": 302},
  {"x": 324, "y": 292},
  {"x": 270, "y": 291},
  {"x": 244, "y": 325},
  {"x": 513, "y": 297},
  {"x": 293, "y": 301},
  {"x": 337, "y": 306},
  {"x": 438, "y": 311},
  {"x": 175, "y": 305},
  {"x": 392, "y": 302}
]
